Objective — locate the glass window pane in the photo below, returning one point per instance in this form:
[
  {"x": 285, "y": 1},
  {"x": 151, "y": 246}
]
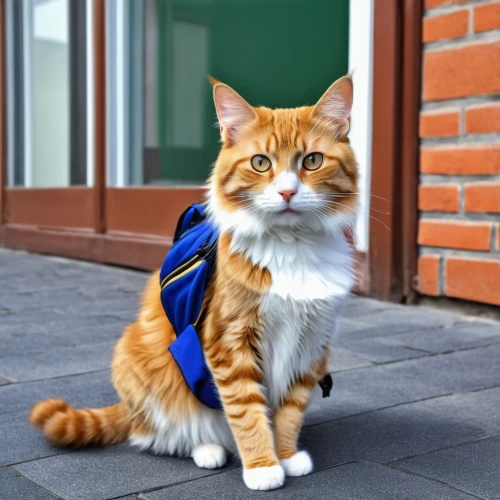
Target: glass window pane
[
  {"x": 50, "y": 89},
  {"x": 46, "y": 85},
  {"x": 278, "y": 53}
]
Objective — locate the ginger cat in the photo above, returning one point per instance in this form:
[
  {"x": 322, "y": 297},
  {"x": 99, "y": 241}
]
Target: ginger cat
[{"x": 282, "y": 193}]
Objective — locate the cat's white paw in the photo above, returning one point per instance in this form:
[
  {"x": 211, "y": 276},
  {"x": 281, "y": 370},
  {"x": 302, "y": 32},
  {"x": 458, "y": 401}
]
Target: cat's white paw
[
  {"x": 299, "y": 464},
  {"x": 209, "y": 456},
  {"x": 264, "y": 478}
]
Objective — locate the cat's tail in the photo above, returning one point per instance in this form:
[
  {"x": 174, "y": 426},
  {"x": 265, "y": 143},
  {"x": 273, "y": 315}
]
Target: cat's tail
[{"x": 63, "y": 425}]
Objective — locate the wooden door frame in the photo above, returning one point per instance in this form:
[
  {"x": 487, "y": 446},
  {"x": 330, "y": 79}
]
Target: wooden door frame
[
  {"x": 395, "y": 148},
  {"x": 113, "y": 234}
]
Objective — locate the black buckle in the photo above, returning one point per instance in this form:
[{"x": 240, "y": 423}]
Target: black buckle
[{"x": 326, "y": 384}]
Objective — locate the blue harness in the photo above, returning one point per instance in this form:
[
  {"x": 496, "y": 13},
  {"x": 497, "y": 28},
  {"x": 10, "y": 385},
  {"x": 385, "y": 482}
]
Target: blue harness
[{"x": 184, "y": 277}]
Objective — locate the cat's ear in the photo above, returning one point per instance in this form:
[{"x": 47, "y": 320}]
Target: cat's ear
[
  {"x": 334, "y": 107},
  {"x": 233, "y": 112}
]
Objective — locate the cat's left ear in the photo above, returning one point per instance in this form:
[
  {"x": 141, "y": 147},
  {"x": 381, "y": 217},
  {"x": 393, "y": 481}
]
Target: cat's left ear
[
  {"x": 233, "y": 112},
  {"x": 335, "y": 105}
]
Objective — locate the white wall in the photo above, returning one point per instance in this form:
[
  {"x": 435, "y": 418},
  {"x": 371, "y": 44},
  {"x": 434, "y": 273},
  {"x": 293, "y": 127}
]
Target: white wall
[{"x": 360, "y": 62}]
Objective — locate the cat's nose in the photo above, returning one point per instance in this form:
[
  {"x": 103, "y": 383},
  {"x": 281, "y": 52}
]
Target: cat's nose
[{"x": 287, "y": 194}]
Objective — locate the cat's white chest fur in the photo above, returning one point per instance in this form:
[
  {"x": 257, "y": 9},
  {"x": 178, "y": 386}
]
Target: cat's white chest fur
[{"x": 312, "y": 276}]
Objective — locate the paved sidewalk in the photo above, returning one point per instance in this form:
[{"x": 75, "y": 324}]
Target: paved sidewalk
[{"x": 414, "y": 412}]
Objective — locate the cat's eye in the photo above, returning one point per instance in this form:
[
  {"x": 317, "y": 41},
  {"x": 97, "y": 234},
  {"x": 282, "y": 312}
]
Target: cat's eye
[
  {"x": 261, "y": 163},
  {"x": 312, "y": 161}
]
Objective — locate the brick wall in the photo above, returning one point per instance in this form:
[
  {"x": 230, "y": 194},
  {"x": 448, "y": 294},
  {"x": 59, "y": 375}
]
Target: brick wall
[{"x": 459, "y": 192}]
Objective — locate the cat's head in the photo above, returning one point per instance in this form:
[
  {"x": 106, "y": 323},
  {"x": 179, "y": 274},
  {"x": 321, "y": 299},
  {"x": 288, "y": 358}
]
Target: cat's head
[{"x": 284, "y": 168}]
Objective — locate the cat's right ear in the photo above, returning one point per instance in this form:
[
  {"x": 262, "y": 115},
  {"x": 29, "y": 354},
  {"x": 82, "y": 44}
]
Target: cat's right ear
[
  {"x": 233, "y": 112},
  {"x": 334, "y": 107}
]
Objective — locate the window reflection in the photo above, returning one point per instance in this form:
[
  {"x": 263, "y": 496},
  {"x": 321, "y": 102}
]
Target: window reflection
[{"x": 46, "y": 92}]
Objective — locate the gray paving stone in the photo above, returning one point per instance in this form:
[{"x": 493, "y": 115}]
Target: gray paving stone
[
  {"x": 347, "y": 482},
  {"x": 28, "y": 341},
  {"x": 380, "y": 349},
  {"x": 79, "y": 280},
  {"x": 472, "y": 467},
  {"x": 124, "y": 305},
  {"x": 110, "y": 332},
  {"x": 396, "y": 321},
  {"x": 366, "y": 389},
  {"x": 347, "y": 325},
  {"x": 45, "y": 298},
  {"x": 56, "y": 319},
  {"x": 343, "y": 359},
  {"x": 406, "y": 430},
  {"x": 20, "y": 284},
  {"x": 16, "y": 487},
  {"x": 30, "y": 337},
  {"x": 21, "y": 340},
  {"x": 119, "y": 290},
  {"x": 452, "y": 338},
  {"x": 57, "y": 362},
  {"x": 72, "y": 307},
  {"x": 20, "y": 442},
  {"x": 36, "y": 277},
  {"x": 109, "y": 472},
  {"x": 92, "y": 390},
  {"x": 359, "y": 307}
]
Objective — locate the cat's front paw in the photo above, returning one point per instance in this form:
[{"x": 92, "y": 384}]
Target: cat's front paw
[
  {"x": 299, "y": 464},
  {"x": 264, "y": 478},
  {"x": 209, "y": 456}
]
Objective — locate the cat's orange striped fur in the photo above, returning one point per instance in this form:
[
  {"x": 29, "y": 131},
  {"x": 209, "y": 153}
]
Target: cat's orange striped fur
[{"x": 283, "y": 271}]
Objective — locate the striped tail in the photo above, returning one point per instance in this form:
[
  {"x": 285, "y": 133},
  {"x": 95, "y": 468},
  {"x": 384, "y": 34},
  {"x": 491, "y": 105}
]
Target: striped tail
[{"x": 61, "y": 424}]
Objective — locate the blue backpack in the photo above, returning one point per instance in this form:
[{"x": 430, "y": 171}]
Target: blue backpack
[{"x": 184, "y": 277}]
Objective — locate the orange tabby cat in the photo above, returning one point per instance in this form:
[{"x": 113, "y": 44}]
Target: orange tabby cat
[{"x": 282, "y": 194}]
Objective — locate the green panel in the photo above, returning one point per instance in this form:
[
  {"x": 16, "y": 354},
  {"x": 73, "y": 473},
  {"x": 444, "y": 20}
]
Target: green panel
[{"x": 277, "y": 53}]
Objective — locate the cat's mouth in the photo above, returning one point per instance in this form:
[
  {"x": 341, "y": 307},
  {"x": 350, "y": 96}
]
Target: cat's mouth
[{"x": 289, "y": 211}]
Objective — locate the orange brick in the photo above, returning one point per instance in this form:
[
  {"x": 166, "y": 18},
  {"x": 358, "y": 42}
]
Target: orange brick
[
  {"x": 487, "y": 17},
  {"x": 429, "y": 4},
  {"x": 470, "y": 70},
  {"x": 438, "y": 198},
  {"x": 484, "y": 197},
  {"x": 473, "y": 279},
  {"x": 428, "y": 274},
  {"x": 439, "y": 124},
  {"x": 482, "y": 119},
  {"x": 461, "y": 161},
  {"x": 452, "y": 234},
  {"x": 446, "y": 26}
]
